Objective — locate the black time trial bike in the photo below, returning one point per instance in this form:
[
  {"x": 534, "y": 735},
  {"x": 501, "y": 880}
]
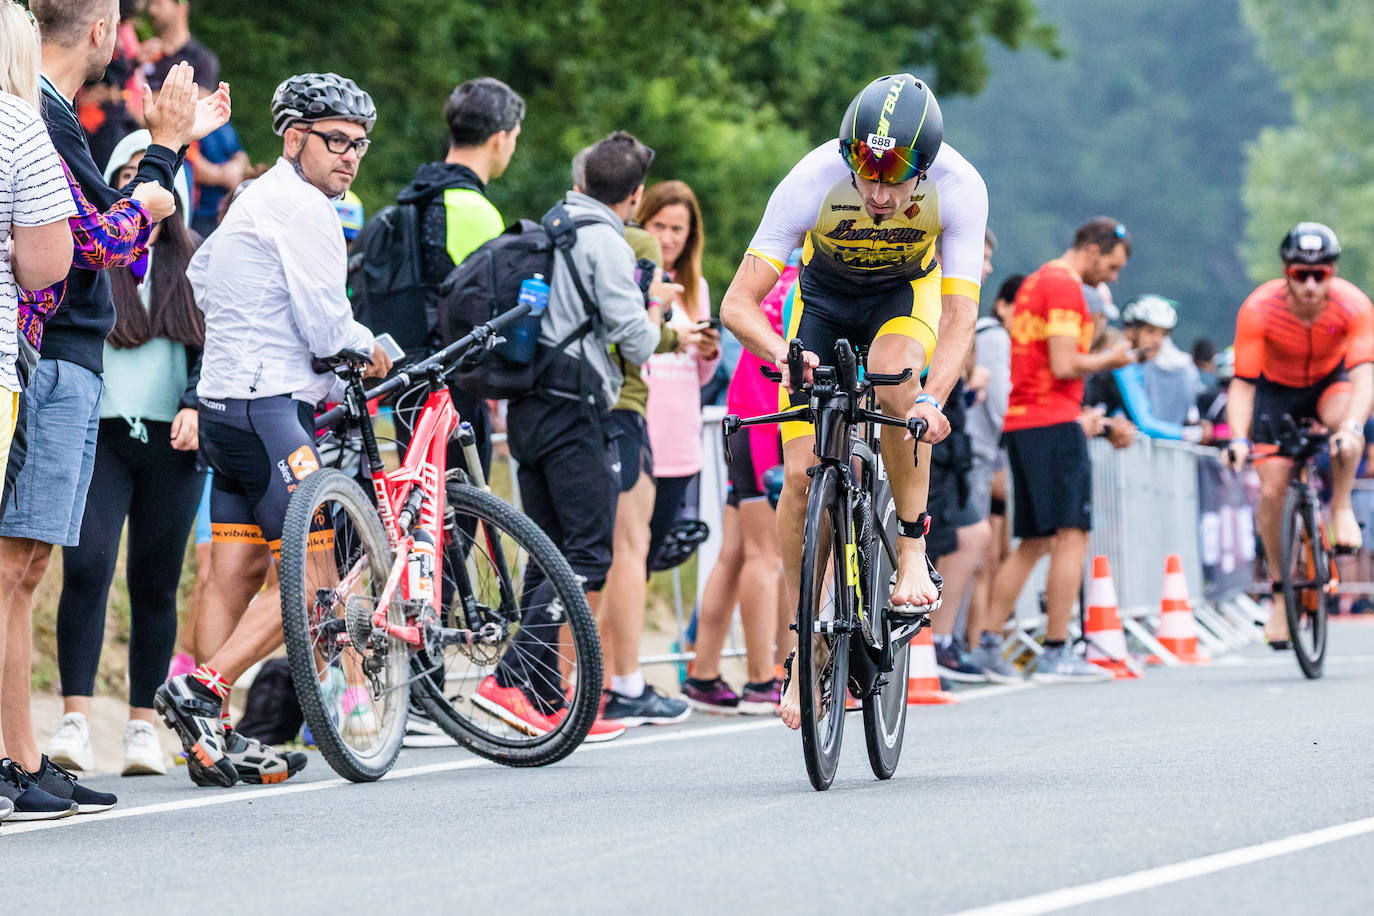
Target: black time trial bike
[{"x": 847, "y": 641}]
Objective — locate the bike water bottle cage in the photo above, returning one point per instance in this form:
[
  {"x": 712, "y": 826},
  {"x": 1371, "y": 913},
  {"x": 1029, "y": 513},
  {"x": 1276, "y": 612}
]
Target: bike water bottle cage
[{"x": 917, "y": 529}]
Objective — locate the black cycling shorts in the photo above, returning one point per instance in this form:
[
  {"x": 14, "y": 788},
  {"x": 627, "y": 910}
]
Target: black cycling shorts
[
  {"x": 260, "y": 450},
  {"x": 753, "y": 452},
  {"x": 819, "y": 315},
  {"x": 1052, "y": 479},
  {"x": 630, "y": 433},
  {"x": 1273, "y": 402}
]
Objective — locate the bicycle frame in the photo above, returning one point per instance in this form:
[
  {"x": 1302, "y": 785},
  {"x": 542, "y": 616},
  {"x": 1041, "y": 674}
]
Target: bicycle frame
[{"x": 839, "y": 403}]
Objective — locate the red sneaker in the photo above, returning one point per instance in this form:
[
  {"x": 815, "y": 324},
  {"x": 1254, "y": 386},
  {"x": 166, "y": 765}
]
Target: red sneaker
[
  {"x": 601, "y": 730},
  {"x": 510, "y": 705}
]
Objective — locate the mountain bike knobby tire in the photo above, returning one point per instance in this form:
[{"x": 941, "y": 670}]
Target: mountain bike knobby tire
[
  {"x": 885, "y": 711},
  {"x": 330, "y": 500},
  {"x": 483, "y": 519},
  {"x": 823, "y": 675},
  {"x": 1306, "y": 575}
]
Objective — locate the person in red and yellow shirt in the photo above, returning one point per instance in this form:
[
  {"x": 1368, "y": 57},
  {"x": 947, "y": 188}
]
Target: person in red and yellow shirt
[
  {"x": 1051, "y": 337},
  {"x": 1304, "y": 348}
]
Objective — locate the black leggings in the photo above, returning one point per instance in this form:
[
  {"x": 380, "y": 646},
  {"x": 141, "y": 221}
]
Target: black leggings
[{"x": 158, "y": 489}]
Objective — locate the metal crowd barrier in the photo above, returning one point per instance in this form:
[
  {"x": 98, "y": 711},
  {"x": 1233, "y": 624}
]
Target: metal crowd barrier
[{"x": 1151, "y": 500}]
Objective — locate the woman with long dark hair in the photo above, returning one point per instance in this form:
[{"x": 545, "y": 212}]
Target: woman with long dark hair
[{"x": 146, "y": 473}]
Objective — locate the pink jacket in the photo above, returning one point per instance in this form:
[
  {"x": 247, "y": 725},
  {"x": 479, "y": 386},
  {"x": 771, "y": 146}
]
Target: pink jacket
[{"x": 675, "y": 381}]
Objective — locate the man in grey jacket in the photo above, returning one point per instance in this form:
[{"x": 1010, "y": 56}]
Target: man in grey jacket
[{"x": 568, "y": 471}]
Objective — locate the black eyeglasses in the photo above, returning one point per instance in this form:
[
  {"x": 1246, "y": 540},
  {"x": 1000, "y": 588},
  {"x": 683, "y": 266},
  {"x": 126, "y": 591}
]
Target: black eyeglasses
[{"x": 338, "y": 143}]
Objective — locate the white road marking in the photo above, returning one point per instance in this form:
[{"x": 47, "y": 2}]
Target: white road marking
[
  {"x": 1170, "y": 874},
  {"x": 229, "y": 797},
  {"x": 996, "y": 690}
]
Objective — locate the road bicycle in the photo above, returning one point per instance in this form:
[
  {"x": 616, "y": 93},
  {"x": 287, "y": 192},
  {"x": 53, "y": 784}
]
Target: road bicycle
[
  {"x": 429, "y": 588},
  {"x": 1308, "y": 578},
  {"x": 847, "y": 640}
]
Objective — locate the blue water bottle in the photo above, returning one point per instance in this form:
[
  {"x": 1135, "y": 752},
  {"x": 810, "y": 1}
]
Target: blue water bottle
[{"x": 522, "y": 338}]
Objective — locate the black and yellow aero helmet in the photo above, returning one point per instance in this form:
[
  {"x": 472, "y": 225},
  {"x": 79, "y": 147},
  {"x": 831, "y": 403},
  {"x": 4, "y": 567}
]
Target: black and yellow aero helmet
[{"x": 892, "y": 130}]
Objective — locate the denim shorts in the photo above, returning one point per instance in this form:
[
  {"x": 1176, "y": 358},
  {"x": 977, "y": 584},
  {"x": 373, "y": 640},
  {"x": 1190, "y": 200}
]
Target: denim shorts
[{"x": 62, "y": 420}]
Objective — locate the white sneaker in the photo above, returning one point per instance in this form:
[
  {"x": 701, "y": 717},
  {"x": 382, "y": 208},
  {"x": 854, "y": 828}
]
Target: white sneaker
[
  {"x": 142, "y": 754},
  {"x": 70, "y": 744}
]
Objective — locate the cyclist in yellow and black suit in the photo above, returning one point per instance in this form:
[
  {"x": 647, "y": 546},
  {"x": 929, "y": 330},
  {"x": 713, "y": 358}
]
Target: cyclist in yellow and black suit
[{"x": 867, "y": 209}]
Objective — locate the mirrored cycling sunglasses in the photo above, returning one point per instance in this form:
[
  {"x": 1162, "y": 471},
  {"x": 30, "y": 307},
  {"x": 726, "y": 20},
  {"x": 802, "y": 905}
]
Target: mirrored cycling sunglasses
[
  {"x": 1301, "y": 273},
  {"x": 890, "y": 166}
]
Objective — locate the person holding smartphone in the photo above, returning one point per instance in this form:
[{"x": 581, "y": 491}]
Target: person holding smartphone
[{"x": 671, "y": 214}]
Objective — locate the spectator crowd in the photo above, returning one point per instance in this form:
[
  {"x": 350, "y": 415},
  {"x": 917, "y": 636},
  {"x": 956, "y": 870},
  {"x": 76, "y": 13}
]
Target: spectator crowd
[{"x": 118, "y": 165}]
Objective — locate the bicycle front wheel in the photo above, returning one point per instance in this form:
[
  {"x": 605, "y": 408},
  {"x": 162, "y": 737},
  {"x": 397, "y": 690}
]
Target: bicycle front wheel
[
  {"x": 525, "y": 690},
  {"x": 885, "y": 711},
  {"x": 351, "y": 678},
  {"x": 1306, "y": 577},
  {"x": 822, "y": 666}
]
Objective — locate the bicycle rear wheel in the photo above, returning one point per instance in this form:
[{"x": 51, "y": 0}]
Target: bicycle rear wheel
[
  {"x": 1306, "y": 576},
  {"x": 822, "y": 659},
  {"x": 351, "y": 679},
  {"x": 885, "y": 711},
  {"x": 502, "y": 575}
]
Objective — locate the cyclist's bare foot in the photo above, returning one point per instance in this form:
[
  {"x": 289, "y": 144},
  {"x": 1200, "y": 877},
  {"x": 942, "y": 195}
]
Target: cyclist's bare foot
[
  {"x": 914, "y": 586},
  {"x": 1345, "y": 530},
  {"x": 789, "y": 709},
  {"x": 1276, "y": 627}
]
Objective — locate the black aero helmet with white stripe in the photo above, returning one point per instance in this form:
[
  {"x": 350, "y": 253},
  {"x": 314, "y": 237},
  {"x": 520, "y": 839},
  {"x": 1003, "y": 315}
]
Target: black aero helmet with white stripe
[
  {"x": 892, "y": 130},
  {"x": 321, "y": 97},
  {"x": 1310, "y": 243}
]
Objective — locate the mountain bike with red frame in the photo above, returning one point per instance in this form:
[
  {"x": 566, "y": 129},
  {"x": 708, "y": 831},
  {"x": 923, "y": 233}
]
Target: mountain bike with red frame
[{"x": 429, "y": 587}]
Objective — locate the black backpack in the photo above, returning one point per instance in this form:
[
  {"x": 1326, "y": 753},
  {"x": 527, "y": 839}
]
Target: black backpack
[
  {"x": 487, "y": 284},
  {"x": 386, "y": 282}
]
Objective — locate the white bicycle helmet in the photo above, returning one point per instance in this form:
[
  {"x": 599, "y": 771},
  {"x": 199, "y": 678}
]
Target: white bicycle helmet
[
  {"x": 1226, "y": 364},
  {"x": 1153, "y": 310}
]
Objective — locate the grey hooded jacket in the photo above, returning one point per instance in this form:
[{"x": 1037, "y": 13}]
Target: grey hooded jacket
[{"x": 606, "y": 265}]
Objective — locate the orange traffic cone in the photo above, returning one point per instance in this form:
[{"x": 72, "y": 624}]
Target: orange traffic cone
[
  {"x": 923, "y": 677},
  {"x": 1102, "y": 628},
  {"x": 1177, "y": 628}
]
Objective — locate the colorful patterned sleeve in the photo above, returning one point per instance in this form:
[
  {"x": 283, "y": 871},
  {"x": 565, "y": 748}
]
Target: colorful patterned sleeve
[
  {"x": 101, "y": 241},
  {"x": 116, "y": 238}
]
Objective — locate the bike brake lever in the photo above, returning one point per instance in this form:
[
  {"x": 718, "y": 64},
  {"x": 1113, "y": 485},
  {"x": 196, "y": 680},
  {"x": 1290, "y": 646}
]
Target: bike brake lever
[
  {"x": 796, "y": 364},
  {"x": 729, "y": 425},
  {"x": 917, "y": 427},
  {"x": 772, "y": 375}
]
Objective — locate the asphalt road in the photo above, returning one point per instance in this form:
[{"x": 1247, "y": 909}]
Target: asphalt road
[{"x": 1160, "y": 795}]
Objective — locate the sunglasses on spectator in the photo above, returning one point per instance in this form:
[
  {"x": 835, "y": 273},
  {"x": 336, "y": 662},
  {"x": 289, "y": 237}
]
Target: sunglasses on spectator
[
  {"x": 338, "y": 143},
  {"x": 1301, "y": 273}
]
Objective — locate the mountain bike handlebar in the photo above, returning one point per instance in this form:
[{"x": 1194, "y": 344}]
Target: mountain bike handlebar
[{"x": 483, "y": 337}]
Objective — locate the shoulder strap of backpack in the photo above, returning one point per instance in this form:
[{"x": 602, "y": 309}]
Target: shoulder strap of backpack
[{"x": 562, "y": 230}]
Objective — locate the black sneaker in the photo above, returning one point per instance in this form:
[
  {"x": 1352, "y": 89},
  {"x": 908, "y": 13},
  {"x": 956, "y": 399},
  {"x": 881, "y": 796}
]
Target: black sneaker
[
  {"x": 55, "y": 780},
  {"x": 955, "y": 664},
  {"x": 649, "y": 708},
  {"x": 193, "y": 711},
  {"x": 31, "y": 803}
]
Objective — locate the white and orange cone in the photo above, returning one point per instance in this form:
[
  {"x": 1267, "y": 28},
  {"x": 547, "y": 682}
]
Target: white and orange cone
[
  {"x": 1102, "y": 626},
  {"x": 1177, "y": 626},
  {"x": 923, "y": 676}
]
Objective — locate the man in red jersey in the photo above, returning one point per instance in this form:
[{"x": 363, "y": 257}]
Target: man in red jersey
[
  {"x": 1051, "y": 336},
  {"x": 1304, "y": 348}
]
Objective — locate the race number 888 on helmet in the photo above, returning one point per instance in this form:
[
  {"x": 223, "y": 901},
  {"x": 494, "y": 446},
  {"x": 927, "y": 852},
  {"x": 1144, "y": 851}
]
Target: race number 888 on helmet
[
  {"x": 892, "y": 130},
  {"x": 321, "y": 97}
]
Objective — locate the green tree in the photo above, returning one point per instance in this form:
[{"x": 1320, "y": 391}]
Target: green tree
[
  {"x": 1321, "y": 167},
  {"x": 1145, "y": 119},
  {"x": 730, "y": 93}
]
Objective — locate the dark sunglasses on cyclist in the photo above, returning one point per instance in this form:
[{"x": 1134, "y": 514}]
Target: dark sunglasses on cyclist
[
  {"x": 338, "y": 143},
  {"x": 1301, "y": 273},
  {"x": 890, "y": 166}
]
